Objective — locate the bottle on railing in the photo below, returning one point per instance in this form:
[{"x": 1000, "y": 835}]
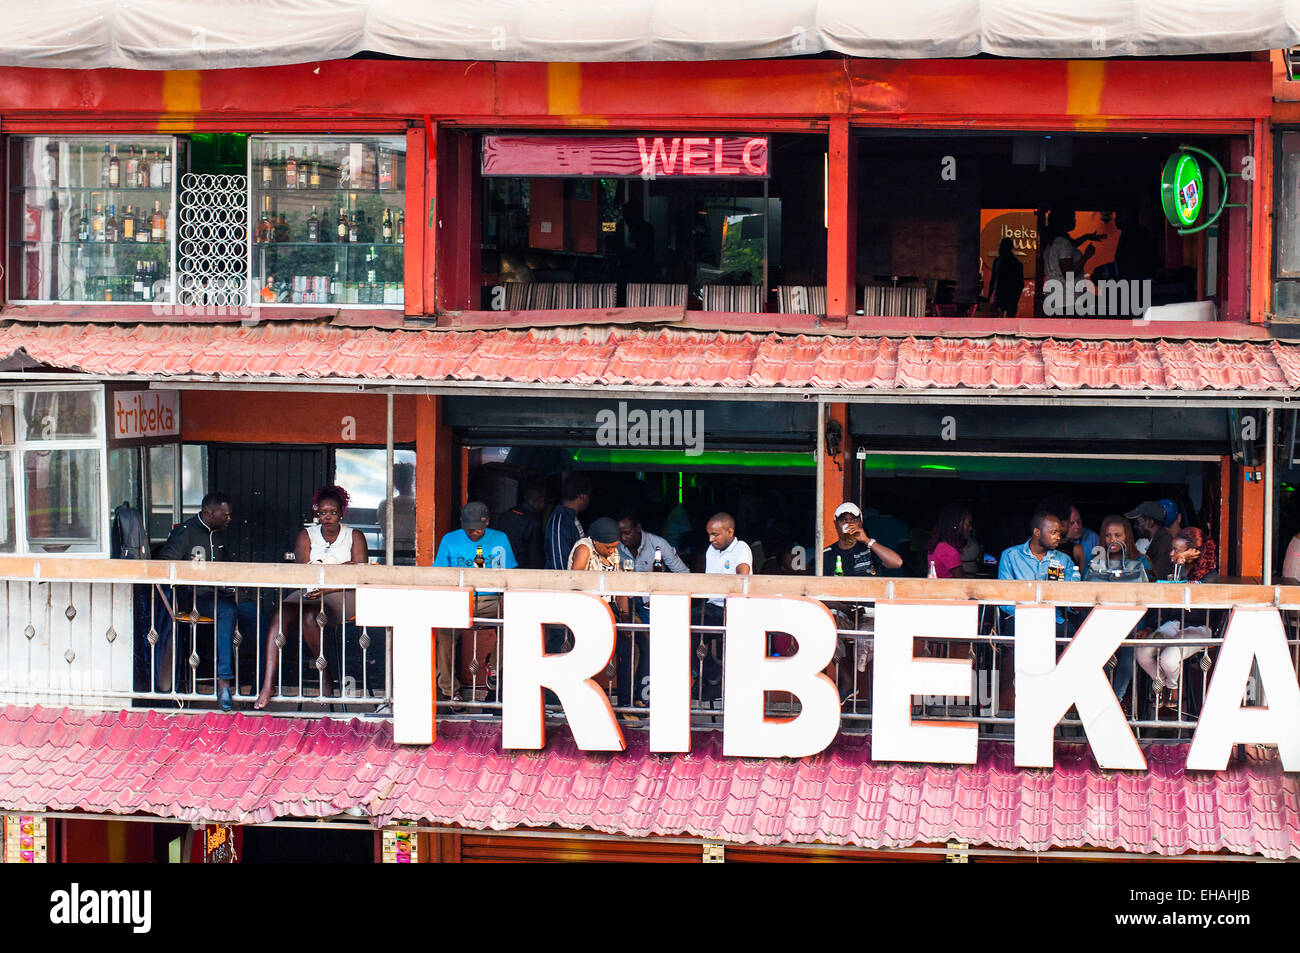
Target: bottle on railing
[
  {"x": 933, "y": 573},
  {"x": 839, "y": 565},
  {"x": 478, "y": 557},
  {"x": 659, "y": 561}
]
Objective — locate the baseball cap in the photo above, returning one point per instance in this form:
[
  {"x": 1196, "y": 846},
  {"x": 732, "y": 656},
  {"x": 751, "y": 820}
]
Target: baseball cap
[
  {"x": 1171, "y": 511},
  {"x": 1148, "y": 508},
  {"x": 848, "y": 509},
  {"x": 473, "y": 516}
]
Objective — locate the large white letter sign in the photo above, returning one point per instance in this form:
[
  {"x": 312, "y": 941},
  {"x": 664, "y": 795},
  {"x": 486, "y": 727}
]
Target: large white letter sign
[
  {"x": 526, "y": 669},
  {"x": 413, "y": 614},
  {"x": 749, "y": 673},
  {"x": 1046, "y": 688},
  {"x": 900, "y": 675},
  {"x": 670, "y": 661},
  {"x": 1252, "y": 634}
]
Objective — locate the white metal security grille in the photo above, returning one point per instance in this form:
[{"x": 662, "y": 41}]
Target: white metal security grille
[{"x": 212, "y": 240}]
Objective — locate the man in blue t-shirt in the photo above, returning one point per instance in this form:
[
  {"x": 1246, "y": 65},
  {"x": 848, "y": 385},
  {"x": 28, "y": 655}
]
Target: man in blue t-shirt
[{"x": 462, "y": 548}]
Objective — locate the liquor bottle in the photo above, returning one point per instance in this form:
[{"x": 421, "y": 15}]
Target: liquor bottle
[
  {"x": 401, "y": 228},
  {"x": 156, "y": 165},
  {"x": 385, "y": 168},
  {"x": 83, "y": 226},
  {"x": 97, "y": 224},
  {"x": 132, "y": 170},
  {"x": 128, "y": 225},
  {"x": 282, "y": 229},
  {"x": 265, "y": 228},
  {"x": 137, "y": 284},
  {"x": 352, "y": 230},
  {"x": 110, "y": 226},
  {"x": 839, "y": 565},
  {"x": 268, "y": 167},
  {"x": 314, "y": 175},
  {"x": 388, "y": 226},
  {"x": 478, "y": 557},
  {"x": 157, "y": 223},
  {"x": 313, "y": 226},
  {"x": 105, "y": 168},
  {"x": 165, "y": 161},
  {"x": 343, "y": 224},
  {"x": 336, "y": 286},
  {"x": 659, "y": 562},
  {"x": 144, "y": 174},
  {"x": 114, "y": 170},
  {"x": 291, "y": 171}
]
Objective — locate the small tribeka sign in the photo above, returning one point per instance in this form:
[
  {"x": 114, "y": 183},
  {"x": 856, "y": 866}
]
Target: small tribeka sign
[
  {"x": 1047, "y": 686},
  {"x": 146, "y": 413}
]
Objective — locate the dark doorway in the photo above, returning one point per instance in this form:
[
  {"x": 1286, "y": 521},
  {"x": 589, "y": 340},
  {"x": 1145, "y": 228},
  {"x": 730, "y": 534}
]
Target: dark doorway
[
  {"x": 270, "y": 489},
  {"x": 291, "y": 845}
]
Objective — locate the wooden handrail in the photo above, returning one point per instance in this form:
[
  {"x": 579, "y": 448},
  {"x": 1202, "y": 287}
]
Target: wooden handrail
[{"x": 843, "y": 588}]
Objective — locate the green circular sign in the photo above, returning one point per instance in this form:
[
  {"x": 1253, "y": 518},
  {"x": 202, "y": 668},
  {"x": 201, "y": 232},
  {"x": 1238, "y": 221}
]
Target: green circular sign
[{"x": 1182, "y": 189}]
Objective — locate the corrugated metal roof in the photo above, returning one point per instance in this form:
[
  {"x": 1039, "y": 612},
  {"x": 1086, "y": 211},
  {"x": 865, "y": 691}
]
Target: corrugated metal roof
[
  {"x": 249, "y": 769},
  {"x": 618, "y": 356}
]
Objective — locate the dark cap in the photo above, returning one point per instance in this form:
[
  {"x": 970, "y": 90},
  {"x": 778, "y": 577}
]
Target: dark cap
[
  {"x": 604, "y": 530},
  {"x": 1171, "y": 511},
  {"x": 1150, "y": 509},
  {"x": 473, "y": 516}
]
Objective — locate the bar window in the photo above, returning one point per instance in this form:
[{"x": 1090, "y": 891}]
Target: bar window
[
  {"x": 684, "y": 221},
  {"x": 91, "y": 219},
  {"x": 328, "y": 220}
]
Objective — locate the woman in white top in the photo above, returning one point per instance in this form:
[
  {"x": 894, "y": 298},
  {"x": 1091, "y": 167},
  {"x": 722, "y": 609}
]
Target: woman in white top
[{"x": 329, "y": 542}]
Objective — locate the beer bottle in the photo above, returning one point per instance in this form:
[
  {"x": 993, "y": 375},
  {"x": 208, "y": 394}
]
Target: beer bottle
[
  {"x": 659, "y": 562},
  {"x": 933, "y": 573},
  {"x": 478, "y": 557},
  {"x": 839, "y": 565}
]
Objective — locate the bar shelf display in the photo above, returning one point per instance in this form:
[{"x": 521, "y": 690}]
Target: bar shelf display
[
  {"x": 327, "y": 220},
  {"x": 91, "y": 219}
]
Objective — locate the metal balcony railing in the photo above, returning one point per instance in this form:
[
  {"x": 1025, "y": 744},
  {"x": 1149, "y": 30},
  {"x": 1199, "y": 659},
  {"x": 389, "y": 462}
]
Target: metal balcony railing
[{"x": 115, "y": 633}]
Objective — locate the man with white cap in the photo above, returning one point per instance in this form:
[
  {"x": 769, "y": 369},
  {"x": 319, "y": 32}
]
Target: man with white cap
[{"x": 854, "y": 553}]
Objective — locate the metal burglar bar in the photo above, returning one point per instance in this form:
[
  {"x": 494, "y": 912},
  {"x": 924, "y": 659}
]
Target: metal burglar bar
[{"x": 77, "y": 632}]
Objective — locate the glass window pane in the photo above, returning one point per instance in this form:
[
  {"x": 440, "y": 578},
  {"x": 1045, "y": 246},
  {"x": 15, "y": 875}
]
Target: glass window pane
[
  {"x": 8, "y": 526},
  {"x": 93, "y": 215},
  {"x": 124, "y": 477},
  {"x": 194, "y": 478},
  {"x": 62, "y": 495},
  {"x": 328, "y": 220},
  {"x": 162, "y": 490},
  {"x": 362, "y": 473},
  {"x": 60, "y": 415}
]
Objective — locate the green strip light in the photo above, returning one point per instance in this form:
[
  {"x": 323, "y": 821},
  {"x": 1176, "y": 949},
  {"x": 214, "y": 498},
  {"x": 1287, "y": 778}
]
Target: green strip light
[
  {"x": 936, "y": 466},
  {"x": 677, "y": 459}
]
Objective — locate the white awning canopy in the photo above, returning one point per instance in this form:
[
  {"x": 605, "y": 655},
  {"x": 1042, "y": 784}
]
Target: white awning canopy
[{"x": 216, "y": 34}]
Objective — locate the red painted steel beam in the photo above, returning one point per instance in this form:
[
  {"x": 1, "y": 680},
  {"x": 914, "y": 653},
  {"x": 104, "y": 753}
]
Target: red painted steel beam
[{"x": 1082, "y": 94}]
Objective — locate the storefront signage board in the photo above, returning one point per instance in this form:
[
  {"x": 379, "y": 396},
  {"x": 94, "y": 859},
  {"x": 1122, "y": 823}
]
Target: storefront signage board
[
  {"x": 1182, "y": 189},
  {"x": 1047, "y": 686},
  {"x": 141, "y": 416},
  {"x": 649, "y": 157}
]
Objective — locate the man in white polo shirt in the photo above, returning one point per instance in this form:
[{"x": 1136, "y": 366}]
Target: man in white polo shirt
[{"x": 729, "y": 556}]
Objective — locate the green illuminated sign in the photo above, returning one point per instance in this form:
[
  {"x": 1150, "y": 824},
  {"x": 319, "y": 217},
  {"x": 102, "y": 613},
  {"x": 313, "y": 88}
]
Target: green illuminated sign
[{"x": 1182, "y": 189}]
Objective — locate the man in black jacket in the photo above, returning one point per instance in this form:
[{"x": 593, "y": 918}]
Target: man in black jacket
[{"x": 202, "y": 538}]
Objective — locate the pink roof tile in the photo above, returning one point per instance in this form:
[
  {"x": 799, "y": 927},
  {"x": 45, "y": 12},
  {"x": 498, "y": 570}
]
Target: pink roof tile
[
  {"x": 249, "y": 769},
  {"x": 659, "y": 357}
]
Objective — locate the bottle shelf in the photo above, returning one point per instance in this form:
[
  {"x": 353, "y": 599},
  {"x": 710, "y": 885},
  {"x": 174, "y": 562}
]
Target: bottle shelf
[
  {"x": 105, "y": 189},
  {"x": 88, "y": 243},
  {"x": 335, "y": 245}
]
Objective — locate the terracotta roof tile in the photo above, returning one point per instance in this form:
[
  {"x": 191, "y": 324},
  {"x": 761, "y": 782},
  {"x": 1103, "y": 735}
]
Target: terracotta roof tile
[
  {"x": 664, "y": 357},
  {"x": 248, "y": 769}
]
